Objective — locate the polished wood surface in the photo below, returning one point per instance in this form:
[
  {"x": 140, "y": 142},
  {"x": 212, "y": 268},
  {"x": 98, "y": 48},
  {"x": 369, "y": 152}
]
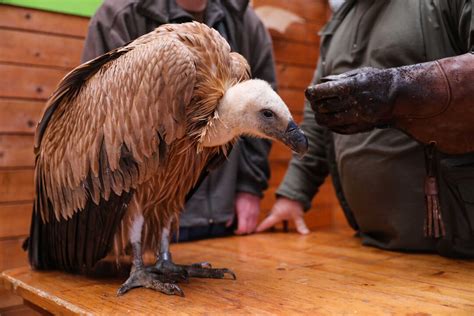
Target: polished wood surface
[{"x": 327, "y": 272}]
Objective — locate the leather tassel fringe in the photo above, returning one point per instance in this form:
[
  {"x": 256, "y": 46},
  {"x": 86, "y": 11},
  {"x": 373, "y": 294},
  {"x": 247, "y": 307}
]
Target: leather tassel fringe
[{"x": 434, "y": 226}]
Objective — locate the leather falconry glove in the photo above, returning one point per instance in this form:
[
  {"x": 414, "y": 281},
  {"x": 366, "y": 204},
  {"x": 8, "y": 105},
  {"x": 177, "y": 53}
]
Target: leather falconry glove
[{"x": 432, "y": 101}]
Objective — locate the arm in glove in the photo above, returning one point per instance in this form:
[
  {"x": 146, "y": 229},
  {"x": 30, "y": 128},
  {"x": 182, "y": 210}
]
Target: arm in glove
[{"x": 432, "y": 102}]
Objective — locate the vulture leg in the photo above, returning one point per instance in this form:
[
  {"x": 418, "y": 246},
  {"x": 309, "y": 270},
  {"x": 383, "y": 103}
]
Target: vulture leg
[
  {"x": 171, "y": 272},
  {"x": 141, "y": 277}
]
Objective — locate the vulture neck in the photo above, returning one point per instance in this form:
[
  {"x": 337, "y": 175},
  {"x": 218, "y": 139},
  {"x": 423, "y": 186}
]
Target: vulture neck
[
  {"x": 229, "y": 121},
  {"x": 219, "y": 131}
]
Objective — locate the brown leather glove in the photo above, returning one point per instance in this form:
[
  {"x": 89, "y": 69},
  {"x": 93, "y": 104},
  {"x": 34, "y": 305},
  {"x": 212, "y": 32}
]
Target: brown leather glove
[{"x": 432, "y": 102}]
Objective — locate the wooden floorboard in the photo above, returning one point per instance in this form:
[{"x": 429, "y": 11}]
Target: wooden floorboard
[{"x": 325, "y": 273}]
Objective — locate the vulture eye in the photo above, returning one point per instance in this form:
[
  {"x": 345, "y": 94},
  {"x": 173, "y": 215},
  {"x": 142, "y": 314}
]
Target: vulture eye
[{"x": 268, "y": 113}]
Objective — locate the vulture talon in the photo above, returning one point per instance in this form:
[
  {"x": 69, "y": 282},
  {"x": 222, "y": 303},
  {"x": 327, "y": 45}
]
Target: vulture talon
[
  {"x": 145, "y": 278},
  {"x": 169, "y": 276},
  {"x": 200, "y": 271},
  {"x": 204, "y": 265},
  {"x": 211, "y": 273}
]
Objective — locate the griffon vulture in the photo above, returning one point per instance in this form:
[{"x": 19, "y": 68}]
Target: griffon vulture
[{"x": 127, "y": 136}]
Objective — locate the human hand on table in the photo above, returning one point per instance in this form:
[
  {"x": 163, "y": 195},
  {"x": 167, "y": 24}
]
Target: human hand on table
[
  {"x": 285, "y": 209},
  {"x": 247, "y": 210}
]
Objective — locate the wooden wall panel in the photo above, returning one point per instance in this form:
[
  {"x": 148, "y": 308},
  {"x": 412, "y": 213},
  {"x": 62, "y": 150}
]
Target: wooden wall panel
[
  {"x": 16, "y": 185},
  {"x": 16, "y": 151},
  {"x": 21, "y": 81},
  {"x": 294, "y": 77},
  {"x": 310, "y": 10},
  {"x": 40, "y": 21},
  {"x": 11, "y": 253},
  {"x": 7, "y": 300},
  {"x": 295, "y": 53},
  {"x": 278, "y": 171},
  {"x": 280, "y": 152},
  {"x": 42, "y": 49},
  {"x": 300, "y": 32},
  {"x": 294, "y": 98},
  {"x": 19, "y": 116},
  {"x": 15, "y": 219}
]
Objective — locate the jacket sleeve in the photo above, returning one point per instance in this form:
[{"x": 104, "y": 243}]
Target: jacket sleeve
[
  {"x": 109, "y": 28},
  {"x": 304, "y": 176},
  {"x": 254, "y": 169},
  {"x": 466, "y": 25}
]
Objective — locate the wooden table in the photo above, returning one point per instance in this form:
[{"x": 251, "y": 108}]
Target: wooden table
[{"x": 327, "y": 272}]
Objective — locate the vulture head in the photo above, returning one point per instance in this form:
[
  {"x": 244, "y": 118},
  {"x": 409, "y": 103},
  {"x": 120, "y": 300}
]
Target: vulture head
[{"x": 252, "y": 108}]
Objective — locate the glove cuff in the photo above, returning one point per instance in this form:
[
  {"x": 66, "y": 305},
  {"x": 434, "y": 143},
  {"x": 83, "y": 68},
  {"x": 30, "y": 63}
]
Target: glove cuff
[
  {"x": 443, "y": 112},
  {"x": 423, "y": 91}
]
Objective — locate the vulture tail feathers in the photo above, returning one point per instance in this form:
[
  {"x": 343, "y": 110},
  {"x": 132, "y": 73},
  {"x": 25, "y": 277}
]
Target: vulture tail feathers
[{"x": 76, "y": 244}]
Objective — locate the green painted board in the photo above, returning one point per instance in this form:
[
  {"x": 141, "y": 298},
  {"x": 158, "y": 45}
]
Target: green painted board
[{"x": 75, "y": 7}]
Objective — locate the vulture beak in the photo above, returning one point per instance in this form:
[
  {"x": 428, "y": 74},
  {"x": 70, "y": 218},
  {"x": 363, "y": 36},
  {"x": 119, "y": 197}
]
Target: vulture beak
[{"x": 295, "y": 139}]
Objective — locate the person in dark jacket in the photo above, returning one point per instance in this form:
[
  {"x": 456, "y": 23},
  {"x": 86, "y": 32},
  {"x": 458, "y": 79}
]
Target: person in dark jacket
[
  {"x": 390, "y": 196},
  {"x": 236, "y": 188}
]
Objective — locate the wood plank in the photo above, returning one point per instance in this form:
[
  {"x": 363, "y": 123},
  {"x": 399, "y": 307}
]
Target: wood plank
[
  {"x": 324, "y": 273},
  {"x": 285, "y": 25},
  {"x": 19, "y": 116},
  {"x": 8, "y": 299},
  {"x": 300, "y": 32},
  {"x": 42, "y": 21},
  {"x": 294, "y": 99},
  {"x": 20, "y": 310},
  {"x": 310, "y": 10},
  {"x": 15, "y": 219},
  {"x": 11, "y": 253},
  {"x": 296, "y": 53},
  {"x": 16, "y": 185},
  {"x": 297, "y": 116},
  {"x": 28, "y": 82},
  {"x": 42, "y": 49},
  {"x": 278, "y": 170},
  {"x": 289, "y": 76},
  {"x": 16, "y": 151},
  {"x": 279, "y": 152}
]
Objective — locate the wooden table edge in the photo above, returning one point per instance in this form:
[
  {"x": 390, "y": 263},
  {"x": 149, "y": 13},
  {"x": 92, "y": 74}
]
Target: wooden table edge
[{"x": 43, "y": 300}]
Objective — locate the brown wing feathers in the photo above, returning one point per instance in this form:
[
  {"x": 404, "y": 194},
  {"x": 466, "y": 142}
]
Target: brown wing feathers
[
  {"x": 240, "y": 67},
  {"x": 71, "y": 85},
  {"x": 127, "y": 104}
]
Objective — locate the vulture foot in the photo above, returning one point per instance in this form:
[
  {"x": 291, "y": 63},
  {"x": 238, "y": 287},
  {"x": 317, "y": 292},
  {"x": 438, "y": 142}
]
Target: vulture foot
[
  {"x": 142, "y": 278},
  {"x": 171, "y": 272}
]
